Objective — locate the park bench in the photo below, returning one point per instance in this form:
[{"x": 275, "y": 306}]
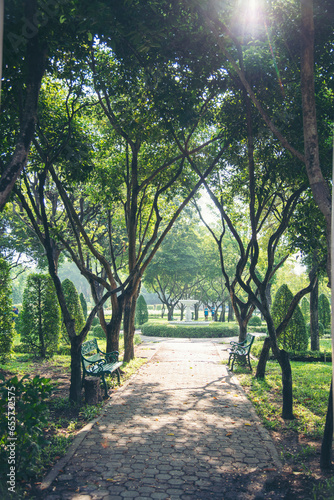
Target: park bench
[
  {"x": 96, "y": 363},
  {"x": 240, "y": 351}
]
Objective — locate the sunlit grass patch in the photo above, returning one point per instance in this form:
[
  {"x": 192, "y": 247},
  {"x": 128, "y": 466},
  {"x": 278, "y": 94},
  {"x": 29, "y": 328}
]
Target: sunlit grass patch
[{"x": 311, "y": 382}]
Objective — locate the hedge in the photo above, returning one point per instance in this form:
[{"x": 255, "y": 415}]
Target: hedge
[
  {"x": 295, "y": 355},
  {"x": 158, "y": 329}
]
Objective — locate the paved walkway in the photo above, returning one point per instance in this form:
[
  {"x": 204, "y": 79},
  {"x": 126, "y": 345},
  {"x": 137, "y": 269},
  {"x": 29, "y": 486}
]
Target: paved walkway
[{"x": 181, "y": 428}]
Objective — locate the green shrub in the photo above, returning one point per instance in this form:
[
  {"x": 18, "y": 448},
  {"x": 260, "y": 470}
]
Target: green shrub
[
  {"x": 39, "y": 321},
  {"x": 83, "y": 304},
  {"x": 74, "y": 306},
  {"x": 98, "y": 332},
  {"x": 159, "y": 329},
  {"x": 95, "y": 321},
  {"x": 141, "y": 311},
  {"x": 305, "y": 308},
  {"x": 27, "y": 399},
  {"x": 255, "y": 321},
  {"x": 6, "y": 315},
  {"x": 294, "y": 337},
  {"x": 324, "y": 311}
]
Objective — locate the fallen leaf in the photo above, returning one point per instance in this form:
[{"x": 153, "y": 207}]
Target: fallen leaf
[
  {"x": 170, "y": 434},
  {"x": 246, "y": 423},
  {"x": 228, "y": 434}
]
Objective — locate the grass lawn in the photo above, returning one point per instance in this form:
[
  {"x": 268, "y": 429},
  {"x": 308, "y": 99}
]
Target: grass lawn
[{"x": 298, "y": 441}]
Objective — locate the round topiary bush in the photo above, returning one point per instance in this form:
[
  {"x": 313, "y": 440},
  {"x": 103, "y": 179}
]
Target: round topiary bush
[
  {"x": 294, "y": 337},
  {"x": 98, "y": 332},
  {"x": 255, "y": 321}
]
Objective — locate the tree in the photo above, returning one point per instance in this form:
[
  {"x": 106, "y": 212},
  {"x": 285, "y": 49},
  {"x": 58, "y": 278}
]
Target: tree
[
  {"x": 294, "y": 336},
  {"x": 39, "y": 322},
  {"x": 74, "y": 307},
  {"x": 141, "y": 311},
  {"x": 6, "y": 313}
]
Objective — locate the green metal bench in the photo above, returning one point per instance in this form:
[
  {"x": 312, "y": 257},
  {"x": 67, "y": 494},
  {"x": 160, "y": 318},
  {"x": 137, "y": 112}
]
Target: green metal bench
[
  {"x": 240, "y": 351},
  {"x": 96, "y": 363}
]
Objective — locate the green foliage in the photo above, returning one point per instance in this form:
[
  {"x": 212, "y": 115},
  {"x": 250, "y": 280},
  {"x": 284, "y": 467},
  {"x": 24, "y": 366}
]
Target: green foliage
[
  {"x": 294, "y": 337},
  {"x": 324, "y": 311},
  {"x": 74, "y": 306},
  {"x": 141, "y": 311},
  {"x": 305, "y": 308},
  {"x": 158, "y": 329},
  {"x": 39, "y": 321},
  {"x": 98, "y": 332},
  {"x": 255, "y": 321},
  {"x": 6, "y": 316},
  {"x": 23, "y": 415},
  {"x": 83, "y": 305}
]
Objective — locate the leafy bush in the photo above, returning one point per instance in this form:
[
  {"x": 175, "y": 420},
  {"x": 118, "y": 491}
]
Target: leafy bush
[
  {"x": 83, "y": 304},
  {"x": 6, "y": 316},
  {"x": 158, "y": 329},
  {"x": 74, "y": 306},
  {"x": 98, "y": 332},
  {"x": 294, "y": 337},
  {"x": 39, "y": 321},
  {"x": 324, "y": 311},
  {"x": 141, "y": 311},
  {"x": 255, "y": 321},
  {"x": 24, "y": 414},
  {"x": 305, "y": 308}
]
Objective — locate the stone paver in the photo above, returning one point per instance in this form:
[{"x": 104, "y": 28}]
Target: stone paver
[{"x": 182, "y": 428}]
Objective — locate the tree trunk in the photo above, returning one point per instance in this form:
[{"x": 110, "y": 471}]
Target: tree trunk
[
  {"x": 326, "y": 446},
  {"x": 129, "y": 328},
  {"x": 182, "y": 311},
  {"x": 314, "y": 322},
  {"x": 75, "y": 388},
  {"x": 284, "y": 361},
  {"x": 261, "y": 366},
  {"x": 230, "y": 316},
  {"x": 170, "y": 313},
  {"x": 114, "y": 327}
]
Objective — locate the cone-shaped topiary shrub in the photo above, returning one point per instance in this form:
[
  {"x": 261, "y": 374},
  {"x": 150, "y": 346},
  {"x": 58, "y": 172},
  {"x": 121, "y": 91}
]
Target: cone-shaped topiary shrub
[
  {"x": 294, "y": 337},
  {"x": 83, "y": 304},
  {"x": 39, "y": 321},
  {"x": 6, "y": 315},
  {"x": 324, "y": 311},
  {"x": 74, "y": 306},
  {"x": 141, "y": 311}
]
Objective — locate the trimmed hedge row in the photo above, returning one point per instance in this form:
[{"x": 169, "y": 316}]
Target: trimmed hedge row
[
  {"x": 158, "y": 329},
  {"x": 295, "y": 355}
]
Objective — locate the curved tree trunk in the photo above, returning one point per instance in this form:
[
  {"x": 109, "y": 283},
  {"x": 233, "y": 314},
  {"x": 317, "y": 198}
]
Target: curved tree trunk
[
  {"x": 129, "y": 328},
  {"x": 114, "y": 326},
  {"x": 261, "y": 366}
]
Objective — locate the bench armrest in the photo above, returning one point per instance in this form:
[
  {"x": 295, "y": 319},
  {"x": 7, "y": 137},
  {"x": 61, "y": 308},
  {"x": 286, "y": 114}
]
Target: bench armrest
[{"x": 112, "y": 357}]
